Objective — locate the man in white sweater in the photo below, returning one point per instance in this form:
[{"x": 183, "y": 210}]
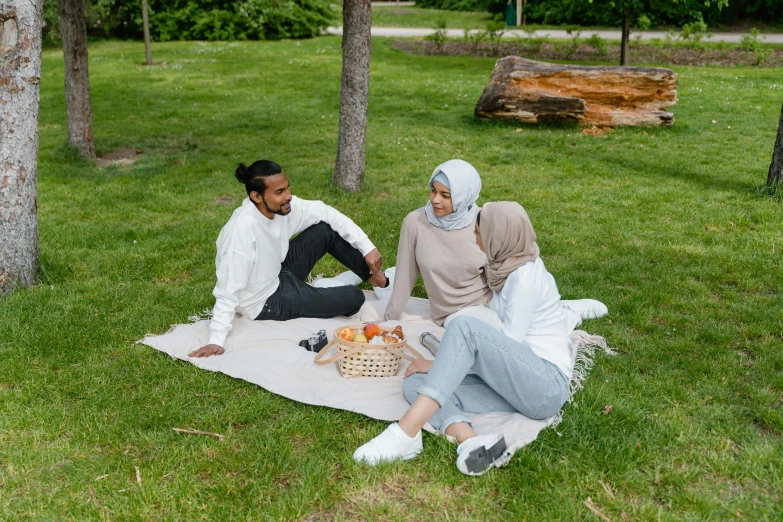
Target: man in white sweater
[{"x": 261, "y": 272}]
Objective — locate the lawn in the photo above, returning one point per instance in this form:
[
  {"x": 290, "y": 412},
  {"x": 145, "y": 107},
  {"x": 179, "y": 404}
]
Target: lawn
[
  {"x": 665, "y": 226},
  {"x": 392, "y": 16}
]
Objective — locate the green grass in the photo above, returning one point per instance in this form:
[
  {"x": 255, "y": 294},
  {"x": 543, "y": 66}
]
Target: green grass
[
  {"x": 666, "y": 226},
  {"x": 392, "y": 16}
]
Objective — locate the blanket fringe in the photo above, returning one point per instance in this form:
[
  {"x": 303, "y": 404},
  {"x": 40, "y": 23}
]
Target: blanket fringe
[
  {"x": 312, "y": 279},
  {"x": 204, "y": 314},
  {"x": 586, "y": 346}
]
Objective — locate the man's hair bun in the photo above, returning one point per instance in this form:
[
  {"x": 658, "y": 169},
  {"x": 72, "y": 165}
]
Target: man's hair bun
[
  {"x": 253, "y": 176},
  {"x": 242, "y": 173}
]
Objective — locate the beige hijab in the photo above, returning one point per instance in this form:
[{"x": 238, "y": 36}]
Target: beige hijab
[{"x": 508, "y": 238}]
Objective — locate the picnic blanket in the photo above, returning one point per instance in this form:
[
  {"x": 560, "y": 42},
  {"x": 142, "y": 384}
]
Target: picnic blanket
[{"x": 267, "y": 353}]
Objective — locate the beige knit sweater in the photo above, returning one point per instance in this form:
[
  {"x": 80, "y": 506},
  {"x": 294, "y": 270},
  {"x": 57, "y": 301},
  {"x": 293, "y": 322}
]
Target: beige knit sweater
[{"x": 451, "y": 265}]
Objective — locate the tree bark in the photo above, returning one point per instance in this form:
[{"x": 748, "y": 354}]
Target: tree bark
[
  {"x": 77, "y": 77},
  {"x": 538, "y": 92},
  {"x": 146, "y": 21},
  {"x": 775, "y": 176},
  {"x": 625, "y": 40},
  {"x": 354, "y": 94},
  {"x": 20, "y": 78}
]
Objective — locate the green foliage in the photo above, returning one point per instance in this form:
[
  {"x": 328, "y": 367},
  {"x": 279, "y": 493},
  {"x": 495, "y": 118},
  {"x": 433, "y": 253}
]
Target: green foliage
[
  {"x": 533, "y": 40},
  {"x": 693, "y": 33},
  {"x": 573, "y": 32},
  {"x": 200, "y": 19},
  {"x": 752, "y": 42},
  {"x": 494, "y": 34},
  {"x": 439, "y": 36},
  {"x": 474, "y": 38},
  {"x": 658, "y": 12},
  {"x": 597, "y": 43}
]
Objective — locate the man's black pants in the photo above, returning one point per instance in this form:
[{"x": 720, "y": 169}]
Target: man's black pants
[{"x": 295, "y": 298}]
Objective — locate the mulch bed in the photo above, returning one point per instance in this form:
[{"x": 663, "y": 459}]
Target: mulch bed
[{"x": 729, "y": 56}]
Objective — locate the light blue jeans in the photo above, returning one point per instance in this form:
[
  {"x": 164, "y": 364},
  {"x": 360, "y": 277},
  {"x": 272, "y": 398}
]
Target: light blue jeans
[{"x": 508, "y": 376}]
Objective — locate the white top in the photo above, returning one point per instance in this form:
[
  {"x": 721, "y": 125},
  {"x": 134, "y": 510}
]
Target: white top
[
  {"x": 251, "y": 249},
  {"x": 530, "y": 310}
]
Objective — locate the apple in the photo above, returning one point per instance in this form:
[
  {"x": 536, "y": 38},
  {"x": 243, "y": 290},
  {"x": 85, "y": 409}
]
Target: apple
[
  {"x": 345, "y": 333},
  {"x": 372, "y": 330},
  {"x": 360, "y": 338}
]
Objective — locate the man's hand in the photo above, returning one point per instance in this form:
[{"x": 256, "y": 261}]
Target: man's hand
[
  {"x": 418, "y": 366},
  {"x": 374, "y": 260},
  {"x": 206, "y": 351}
]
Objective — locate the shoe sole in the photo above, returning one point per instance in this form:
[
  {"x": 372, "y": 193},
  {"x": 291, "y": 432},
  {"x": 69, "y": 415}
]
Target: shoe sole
[{"x": 482, "y": 458}]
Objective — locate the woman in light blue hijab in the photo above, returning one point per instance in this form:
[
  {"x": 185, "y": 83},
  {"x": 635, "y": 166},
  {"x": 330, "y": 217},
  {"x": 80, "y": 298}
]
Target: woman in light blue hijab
[
  {"x": 464, "y": 186},
  {"x": 437, "y": 242}
]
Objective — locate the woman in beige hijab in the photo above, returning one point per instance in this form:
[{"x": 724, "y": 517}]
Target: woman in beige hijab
[{"x": 524, "y": 367}]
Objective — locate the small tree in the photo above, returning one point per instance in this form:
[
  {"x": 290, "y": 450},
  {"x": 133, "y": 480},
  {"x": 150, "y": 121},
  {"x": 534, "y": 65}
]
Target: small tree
[
  {"x": 20, "y": 78},
  {"x": 146, "y": 22},
  {"x": 775, "y": 176},
  {"x": 632, "y": 9},
  {"x": 77, "y": 77},
  {"x": 354, "y": 94}
]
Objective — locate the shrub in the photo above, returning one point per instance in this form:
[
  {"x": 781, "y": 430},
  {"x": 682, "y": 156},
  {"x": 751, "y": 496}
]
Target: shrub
[
  {"x": 534, "y": 40},
  {"x": 494, "y": 34},
  {"x": 439, "y": 36},
  {"x": 597, "y": 43},
  {"x": 474, "y": 38},
  {"x": 200, "y": 19},
  {"x": 693, "y": 33},
  {"x": 752, "y": 42},
  {"x": 573, "y": 32}
]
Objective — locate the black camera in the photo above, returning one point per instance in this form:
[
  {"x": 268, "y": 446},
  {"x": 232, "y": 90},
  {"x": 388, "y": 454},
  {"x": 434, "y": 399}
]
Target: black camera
[{"x": 315, "y": 342}]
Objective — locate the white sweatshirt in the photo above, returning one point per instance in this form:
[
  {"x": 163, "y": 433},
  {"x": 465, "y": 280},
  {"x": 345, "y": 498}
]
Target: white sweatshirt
[
  {"x": 251, "y": 249},
  {"x": 530, "y": 310}
]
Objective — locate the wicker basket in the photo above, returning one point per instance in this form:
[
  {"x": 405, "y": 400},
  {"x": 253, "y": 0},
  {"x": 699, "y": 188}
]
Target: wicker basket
[{"x": 365, "y": 359}]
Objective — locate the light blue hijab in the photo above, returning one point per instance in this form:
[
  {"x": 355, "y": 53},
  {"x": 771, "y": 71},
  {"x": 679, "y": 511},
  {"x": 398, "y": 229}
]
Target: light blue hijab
[{"x": 465, "y": 184}]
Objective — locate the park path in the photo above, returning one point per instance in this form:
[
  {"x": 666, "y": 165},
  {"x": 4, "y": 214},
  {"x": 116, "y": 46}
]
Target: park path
[{"x": 553, "y": 33}]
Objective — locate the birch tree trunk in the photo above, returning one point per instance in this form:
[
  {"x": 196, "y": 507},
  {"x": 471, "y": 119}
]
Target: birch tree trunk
[
  {"x": 354, "y": 94},
  {"x": 77, "y": 77},
  {"x": 20, "y": 78},
  {"x": 146, "y": 22},
  {"x": 775, "y": 176}
]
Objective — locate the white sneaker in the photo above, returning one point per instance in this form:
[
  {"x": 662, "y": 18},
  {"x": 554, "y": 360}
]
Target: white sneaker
[
  {"x": 347, "y": 278},
  {"x": 479, "y": 454},
  {"x": 392, "y": 444},
  {"x": 384, "y": 293},
  {"x": 586, "y": 308}
]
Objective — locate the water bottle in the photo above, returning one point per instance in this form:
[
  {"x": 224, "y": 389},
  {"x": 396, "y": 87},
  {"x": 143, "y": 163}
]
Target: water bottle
[{"x": 430, "y": 342}]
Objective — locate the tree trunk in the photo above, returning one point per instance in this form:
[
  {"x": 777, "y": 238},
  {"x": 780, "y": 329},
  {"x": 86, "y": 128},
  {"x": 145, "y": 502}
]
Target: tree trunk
[
  {"x": 146, "y": 21},
  {"x": 354, "y": 94},
  {"x": 77, "y": 77},
  {"x": 20, "y": 78},
  {"x": 775, "y": 176},
  {"x": 625, "y": 41}
]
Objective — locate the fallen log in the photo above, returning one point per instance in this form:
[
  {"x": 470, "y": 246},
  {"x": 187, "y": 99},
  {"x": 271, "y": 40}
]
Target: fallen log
[{"x": 538, "y": 92}]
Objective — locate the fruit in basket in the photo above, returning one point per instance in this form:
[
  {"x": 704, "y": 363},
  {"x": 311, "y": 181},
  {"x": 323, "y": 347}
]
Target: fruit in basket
[
  {"x": 372, "y": 330},
  {"x": 360, "y": 338},
  {"x": 346, "y": 333},
  {"x": 398, "y": 332}
]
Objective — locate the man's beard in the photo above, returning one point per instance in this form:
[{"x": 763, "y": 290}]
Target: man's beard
[{"x": 279, "y": 211}]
